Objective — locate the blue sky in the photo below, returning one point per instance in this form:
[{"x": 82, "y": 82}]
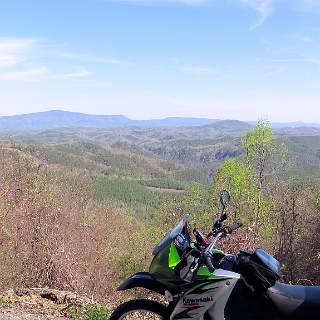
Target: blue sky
[{"x": 240, "y": 59}]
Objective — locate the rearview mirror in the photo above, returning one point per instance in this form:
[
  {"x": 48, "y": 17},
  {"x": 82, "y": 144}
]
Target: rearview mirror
[{"x": 224, "y": 198}]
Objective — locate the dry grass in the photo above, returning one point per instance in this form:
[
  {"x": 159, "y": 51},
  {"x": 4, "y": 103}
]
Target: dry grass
[{"x": 53, "y": 235}]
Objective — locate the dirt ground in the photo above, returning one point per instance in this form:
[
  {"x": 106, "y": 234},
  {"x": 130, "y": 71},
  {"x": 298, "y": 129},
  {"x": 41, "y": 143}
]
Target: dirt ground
[
  {"x": 40, "y": 304},
  {"x": 14, "y": 314}
]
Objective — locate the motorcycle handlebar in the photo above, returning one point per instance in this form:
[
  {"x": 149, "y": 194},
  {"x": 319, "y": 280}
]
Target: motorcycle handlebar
[
  {"x": 230, "y": 229},
  {"x": 218, "y": 234},
  {"x": 225, "y": 230}
]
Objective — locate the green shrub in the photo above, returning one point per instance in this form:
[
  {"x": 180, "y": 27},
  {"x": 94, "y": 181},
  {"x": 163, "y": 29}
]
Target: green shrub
[
  {"x": 94, "y": 312},
  {"x": 4, "y": 303},
  {"x": 98, "y": 312}
]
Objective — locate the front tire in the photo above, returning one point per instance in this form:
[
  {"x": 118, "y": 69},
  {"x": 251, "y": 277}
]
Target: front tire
[{"x": 139, "y": 309}]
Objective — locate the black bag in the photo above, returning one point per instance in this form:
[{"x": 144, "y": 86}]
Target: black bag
[{"x": 255, "y": 273}]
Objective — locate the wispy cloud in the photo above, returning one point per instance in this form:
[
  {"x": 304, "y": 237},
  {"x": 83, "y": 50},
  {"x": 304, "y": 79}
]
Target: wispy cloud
[
  {"x": 15, "y": 50},
  {"x": 314, "y": 61},
  {"x": 31, "y": 74},
  {"x": 273, "y": 67},
  {"x": 93, "y": 58},
  {"x": 302, "y": 38},
  {"x": 80, "y": 73},
  {"x": 264, "y": 8},
  {"x": 41, "y": 73},
  {"x": 18, "y": 62}
]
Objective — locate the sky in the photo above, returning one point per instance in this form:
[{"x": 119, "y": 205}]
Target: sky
[{"x": 227, "y": 59}]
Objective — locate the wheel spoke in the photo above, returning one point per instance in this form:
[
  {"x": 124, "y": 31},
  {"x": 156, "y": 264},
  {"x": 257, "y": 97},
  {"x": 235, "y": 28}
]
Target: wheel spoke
[{"x": 140, "y": 314}]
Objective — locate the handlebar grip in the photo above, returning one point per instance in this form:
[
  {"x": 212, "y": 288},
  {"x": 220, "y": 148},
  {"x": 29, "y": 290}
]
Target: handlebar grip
[{"x": 208, "y": 263}]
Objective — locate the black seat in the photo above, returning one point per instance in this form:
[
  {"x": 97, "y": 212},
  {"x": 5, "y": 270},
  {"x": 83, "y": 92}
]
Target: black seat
[{"x": 296, "y": 302}]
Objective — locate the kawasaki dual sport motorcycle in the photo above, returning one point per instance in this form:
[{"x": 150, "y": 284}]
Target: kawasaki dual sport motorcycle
[{"x": 198, "y": 281}]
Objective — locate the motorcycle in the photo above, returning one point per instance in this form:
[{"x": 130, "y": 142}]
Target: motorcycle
[{"x": 199, "y": 281}]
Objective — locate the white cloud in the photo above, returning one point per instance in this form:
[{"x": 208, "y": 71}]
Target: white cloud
[
  {"x": 274, "y": 67},
  {"x": 314, "y": 61},
  {"x": 18, "y": 62},
  {"x": 264, "y": 8},
  {"x": 9, "y": 60},
  {"x": 92, "y": 58},
  {"x": 273, "y": 70},
  {"x": 31, "y": 74},
  {"x": 15, "y": 50},
  {"x": 16, "y": 44},
  {"x": 302, "y": 38},
  {"x": 40, "y": 73},
  {"x": 81, "y": 73}
]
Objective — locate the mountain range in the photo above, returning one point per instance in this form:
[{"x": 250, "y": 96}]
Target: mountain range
[{"x": 64, "y": 119}]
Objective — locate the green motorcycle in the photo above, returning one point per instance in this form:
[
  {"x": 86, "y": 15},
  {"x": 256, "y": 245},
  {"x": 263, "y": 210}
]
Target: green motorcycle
[{"x": 201, "y": 282}]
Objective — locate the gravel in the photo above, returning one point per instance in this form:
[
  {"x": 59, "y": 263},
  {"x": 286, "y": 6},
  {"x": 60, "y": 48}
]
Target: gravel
[{"x": 20, "y": 315}]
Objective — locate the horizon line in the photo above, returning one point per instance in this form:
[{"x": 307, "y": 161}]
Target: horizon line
[{"x": 162, "y": 118}]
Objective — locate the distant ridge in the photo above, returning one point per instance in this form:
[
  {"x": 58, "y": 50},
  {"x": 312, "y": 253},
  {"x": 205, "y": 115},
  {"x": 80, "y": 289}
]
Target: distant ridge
[
  {"x": 58, "y": 118},
  {"x": 295, "y": 124},
  {"x": 227, "y": 124},
  {"x": 64, "y": 119}
]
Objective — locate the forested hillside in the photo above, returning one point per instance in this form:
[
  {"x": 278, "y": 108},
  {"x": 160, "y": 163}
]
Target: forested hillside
[{"x": 82, "y": 208}]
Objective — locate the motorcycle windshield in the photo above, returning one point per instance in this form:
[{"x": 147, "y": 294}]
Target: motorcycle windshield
[
  {"x": 180, "y": 228},
  {"x": 269, "y": 261}
]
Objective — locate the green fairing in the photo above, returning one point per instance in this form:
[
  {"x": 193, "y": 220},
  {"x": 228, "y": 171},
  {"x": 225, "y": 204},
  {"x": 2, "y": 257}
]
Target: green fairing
[
  {"x": 203, "y": 272},
  {"x": 160, "y": 264},
  {"x": 163, "y": 264},
  {"x": 174, "y": 257}
]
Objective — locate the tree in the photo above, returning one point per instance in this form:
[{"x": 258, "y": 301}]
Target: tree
[
  {"x": 238, "y": 179},
  {"x": 259, "y": 146},
  {"x": 246, "y": 177}
]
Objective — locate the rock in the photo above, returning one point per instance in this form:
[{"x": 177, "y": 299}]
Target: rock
[{"x": 41, "y": 303}]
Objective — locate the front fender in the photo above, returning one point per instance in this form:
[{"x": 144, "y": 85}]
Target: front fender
[{"x": 143, "y": 280}]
